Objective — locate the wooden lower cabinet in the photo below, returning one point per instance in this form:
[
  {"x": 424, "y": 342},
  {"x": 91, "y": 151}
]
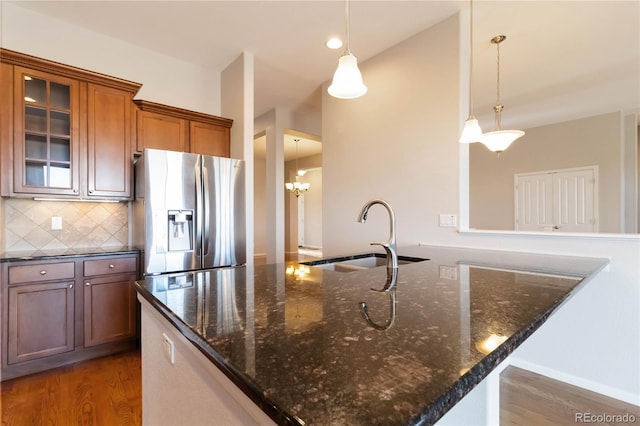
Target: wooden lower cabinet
[
  {"x": 63, "y": 311},
  {"x": 40, "y": 321},
  {"x": 109, "y": 309}
]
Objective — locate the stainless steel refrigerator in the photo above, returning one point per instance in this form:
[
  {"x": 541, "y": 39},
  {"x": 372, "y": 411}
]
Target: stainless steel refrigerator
[{"x": 189, "y": 211}]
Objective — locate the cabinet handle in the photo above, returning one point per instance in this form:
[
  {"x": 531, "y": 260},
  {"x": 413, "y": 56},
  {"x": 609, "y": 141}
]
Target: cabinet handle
[
  {"x": 43, "y": 272},
  {"x": 87, "y": 284},
  {"x": 111, "y": 266}
]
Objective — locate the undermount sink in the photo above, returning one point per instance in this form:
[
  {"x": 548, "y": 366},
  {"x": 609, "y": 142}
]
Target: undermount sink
[{"x": 359, "y": 262}]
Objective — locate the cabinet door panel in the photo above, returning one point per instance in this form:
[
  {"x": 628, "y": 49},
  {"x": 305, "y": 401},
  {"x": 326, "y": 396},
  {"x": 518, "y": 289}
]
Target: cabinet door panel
[
  {"x": 209, "y": 139},
  {"x": 46, "y": 133},
  {"x": 159, "y": 131},
  {"x": 109, "y": 142},
  {"x": 6, "y": 128},
  {"x": 109, "y": 309},
  {"x": 41, "y": 321}
]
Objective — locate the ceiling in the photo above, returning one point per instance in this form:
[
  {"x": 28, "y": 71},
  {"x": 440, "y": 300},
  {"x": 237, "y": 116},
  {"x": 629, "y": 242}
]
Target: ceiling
[{"x": 561, "y": 59}]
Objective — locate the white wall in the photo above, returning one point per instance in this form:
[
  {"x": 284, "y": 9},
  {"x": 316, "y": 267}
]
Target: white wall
[
  {"x": 590, "y": 141},
  {"x": 165, "y": 80},
  {"x": 313, "y": 209},
  {"x": 312, "y": 204},
  {"x": 259, "y": 207},
  {"x": 399, "y": 142},
  {"x": 237, "y": 104}
]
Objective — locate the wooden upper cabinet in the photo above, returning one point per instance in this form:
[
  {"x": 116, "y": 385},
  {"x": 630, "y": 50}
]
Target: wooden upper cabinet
[
  {"x": 176, "y": 129},
  {"x": 160, "y": 131},
  {"x": 109, "y": 123},
  {"x": 72, "y": 130},
  {"x": 6, "y": 126},
  {"x": 46, "y": 142},
  {"x": 209, "y": 139}
]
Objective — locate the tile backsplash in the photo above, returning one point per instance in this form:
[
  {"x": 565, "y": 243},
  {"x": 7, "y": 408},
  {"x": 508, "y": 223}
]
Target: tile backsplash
[{"x": 27, "y": 224}]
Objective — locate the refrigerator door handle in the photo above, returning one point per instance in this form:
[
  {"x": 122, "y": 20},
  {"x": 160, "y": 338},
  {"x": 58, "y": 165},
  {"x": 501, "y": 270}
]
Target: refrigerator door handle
[
  {"x": 207, "y": 210},
  {"x": 199, "y": 212}
]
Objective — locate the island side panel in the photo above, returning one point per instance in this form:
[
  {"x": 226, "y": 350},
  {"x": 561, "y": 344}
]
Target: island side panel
[{"x": 192, "y": 391}]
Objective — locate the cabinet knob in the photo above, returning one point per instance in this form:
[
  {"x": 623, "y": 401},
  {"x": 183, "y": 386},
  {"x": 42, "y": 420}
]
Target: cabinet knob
[
  {"x": 70, "y": 285},
  {"x": 43, "y": 272},
  {"x": 75, "y": 190},
  {"x": 111, "y": 266},
  {"x": 91, "y": 191},
  {"x": 87, "y": 284}
]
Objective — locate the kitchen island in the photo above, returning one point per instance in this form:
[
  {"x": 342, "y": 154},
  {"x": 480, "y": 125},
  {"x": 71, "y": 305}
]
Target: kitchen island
[{"x": 307, "y": 345}]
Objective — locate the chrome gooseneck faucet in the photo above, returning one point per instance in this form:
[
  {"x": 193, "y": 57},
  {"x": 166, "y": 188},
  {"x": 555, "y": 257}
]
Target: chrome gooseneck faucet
[{"x": 389, "y": 246}]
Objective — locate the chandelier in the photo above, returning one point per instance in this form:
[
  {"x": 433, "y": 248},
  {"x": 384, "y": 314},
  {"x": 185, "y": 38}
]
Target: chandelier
[{"x": 297, "y": 187}]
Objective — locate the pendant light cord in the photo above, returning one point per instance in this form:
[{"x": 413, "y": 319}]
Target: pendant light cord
[
  {"x": 348, "y": 29},
  {"x": 498, "y": 73},
  {"x": 471, "y": 60},
  {"x": 297, "y": 140}
]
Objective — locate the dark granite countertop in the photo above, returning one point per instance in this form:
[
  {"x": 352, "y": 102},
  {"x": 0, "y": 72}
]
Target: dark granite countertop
[
  {"x": 296, "y": 341},
  {"x": 16, "y": 256}
]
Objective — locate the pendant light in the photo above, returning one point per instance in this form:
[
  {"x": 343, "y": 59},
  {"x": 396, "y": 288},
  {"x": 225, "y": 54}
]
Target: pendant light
[
  {"x": 347, "y": 80},
  {"x": 297, "y": 187},
  {"x": 498, "y": 140},
  {"x": 471, "y": 131}
]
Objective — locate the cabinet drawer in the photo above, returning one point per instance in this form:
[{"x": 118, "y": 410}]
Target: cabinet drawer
[
  {"x": 110, "y": 266},
  {"x": 41, "y": 272}
]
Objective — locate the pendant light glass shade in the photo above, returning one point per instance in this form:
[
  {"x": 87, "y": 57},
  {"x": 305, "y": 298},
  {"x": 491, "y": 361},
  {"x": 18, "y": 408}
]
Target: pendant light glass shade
[
  {"x": 499, "y": 140},
  {"x": 471, "y": 132},
  {"x": 347, "y": 80},
  {"x": 297, "y": 187}
]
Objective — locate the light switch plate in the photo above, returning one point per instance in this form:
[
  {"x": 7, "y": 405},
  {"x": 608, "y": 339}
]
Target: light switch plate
[
  {"x": 448, "y": 220},
  {"x": 448, "y": 272},
  {"x": 168, "y": 348}
]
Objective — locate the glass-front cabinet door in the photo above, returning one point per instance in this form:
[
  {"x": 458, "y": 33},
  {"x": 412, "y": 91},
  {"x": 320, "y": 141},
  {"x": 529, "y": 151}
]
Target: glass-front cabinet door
[{"x": 46, "y": 133}]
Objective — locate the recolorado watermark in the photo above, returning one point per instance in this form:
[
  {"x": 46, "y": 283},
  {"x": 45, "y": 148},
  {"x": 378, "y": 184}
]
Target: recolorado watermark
[{"x": 604, "y": 418}]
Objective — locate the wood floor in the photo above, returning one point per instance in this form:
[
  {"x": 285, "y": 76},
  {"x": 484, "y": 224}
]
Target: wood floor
[
  {"x": 106, "y": 391},
  {"x": 529, "y": 399}
]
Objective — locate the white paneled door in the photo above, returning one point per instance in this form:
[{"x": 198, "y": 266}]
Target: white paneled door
[{"x": 557, "y": 201}]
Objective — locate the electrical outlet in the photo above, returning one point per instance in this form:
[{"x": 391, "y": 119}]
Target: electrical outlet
[
  {"x": 448, "y": 220},
  {"x": 168, "y": 349},
  {"x": 56, "y": 223}
]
